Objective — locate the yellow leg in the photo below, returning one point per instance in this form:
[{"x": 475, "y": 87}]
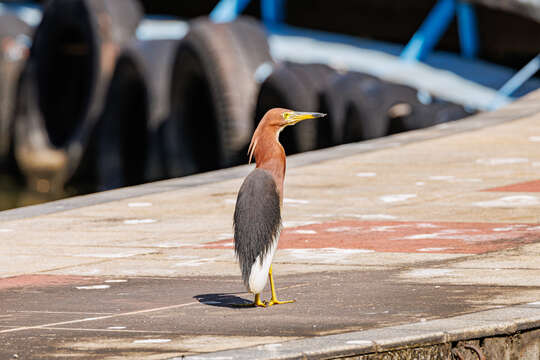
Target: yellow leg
[
  {"x": 255, "y": 303},
  {"x": 274, "y": 300}
]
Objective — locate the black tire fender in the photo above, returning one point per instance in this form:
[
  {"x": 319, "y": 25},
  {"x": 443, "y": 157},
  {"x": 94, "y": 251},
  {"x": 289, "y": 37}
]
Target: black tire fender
[
  {"x": 71, "y": 62},
  {"x": 14, "y": 48},
  {"x": 128, "y": 148},
  {"x": 213, "y": 92},
  {"x": 355, "y": 102},
  {"x": 297, "y": 87}
]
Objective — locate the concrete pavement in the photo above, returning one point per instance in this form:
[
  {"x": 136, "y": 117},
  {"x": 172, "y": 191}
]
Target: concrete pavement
[{"x": 416, "y": 233}]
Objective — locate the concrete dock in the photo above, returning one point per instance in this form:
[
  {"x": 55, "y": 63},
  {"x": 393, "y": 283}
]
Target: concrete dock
[{"x": 419, "y": 245}]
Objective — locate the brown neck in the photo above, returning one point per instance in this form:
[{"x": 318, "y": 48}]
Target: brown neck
[{"x": 270, "y": 156}]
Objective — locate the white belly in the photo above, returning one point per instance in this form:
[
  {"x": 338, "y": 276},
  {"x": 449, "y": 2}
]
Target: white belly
[{"x": 259, "y": 270}]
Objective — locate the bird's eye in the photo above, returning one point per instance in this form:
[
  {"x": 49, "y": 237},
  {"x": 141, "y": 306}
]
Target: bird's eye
[{"x": 286, "y": 115}]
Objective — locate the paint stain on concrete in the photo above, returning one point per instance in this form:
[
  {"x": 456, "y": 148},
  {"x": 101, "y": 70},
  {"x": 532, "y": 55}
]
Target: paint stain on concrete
[
  {"x": 510, "y": 201},
  {"x": 139, "y": 204},
  {"x": 139, "y": 221},
  {"x": 339, "y": 229},
  {"x": 224, "y": 236},
  {"x": 42, "y": 280},
  {"x": 442, "y": 177},
  {"x": 502, "y": 161},
  {"x": 93, "y": 287},
  {"x": 295, "y": 201},
  {"x": 366, "y": 174},
  {"x": 305, "y": 232},
  {"x": 453, "y": 179},
  {"x": 396, "y": 197},
  {"x": 406, "y": 236},
  {"x": 528, "y": 186}
]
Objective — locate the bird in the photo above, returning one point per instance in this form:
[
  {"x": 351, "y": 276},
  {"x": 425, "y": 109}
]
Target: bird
[{"x": 257, "y": 215}]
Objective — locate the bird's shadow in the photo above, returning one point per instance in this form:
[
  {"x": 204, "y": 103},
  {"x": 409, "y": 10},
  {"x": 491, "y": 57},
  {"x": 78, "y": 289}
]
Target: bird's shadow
[{"x": 229, "y": 300}]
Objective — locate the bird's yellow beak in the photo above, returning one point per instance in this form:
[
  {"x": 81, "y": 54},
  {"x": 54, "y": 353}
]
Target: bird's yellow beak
[{"x": 292, "y": 117}]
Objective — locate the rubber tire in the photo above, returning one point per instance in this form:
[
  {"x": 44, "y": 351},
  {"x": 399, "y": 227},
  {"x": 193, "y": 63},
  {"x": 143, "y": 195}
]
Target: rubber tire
[
  {"x": 71, "y": 63},
  {"x": 297, "y": 87},
  {"x": 356, "y": 102},
  {"x": 128, "y": 146},
  {"x": 121, "y": 133},
  {"x": 213, "y": 94},
  {"x": 157, "y": 58},
  {"x": 425, "y": 115},
  {"x": 361, "y": 107},
  {"x": 13, "y": 53}
]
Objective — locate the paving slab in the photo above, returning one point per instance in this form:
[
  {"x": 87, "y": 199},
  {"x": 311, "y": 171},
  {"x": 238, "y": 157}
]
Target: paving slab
[{"x": 422, "y": 239}]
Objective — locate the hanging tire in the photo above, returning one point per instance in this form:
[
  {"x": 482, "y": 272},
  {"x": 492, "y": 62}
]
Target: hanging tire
[
  {"x": 419, "y": 115},
  {"x": 121, "y": 133},
  {"x": 14, "y": 47},
  {"x": 213, "y": 94},
  {"x": 128, "y": 150},
  {"x": 158, "y": 58},
  {"x": 70, "y": 65},
  {"x": 297, "y": 87},
  {"x": 364, "y": 107},
  {"x": 356, "y": 102}
]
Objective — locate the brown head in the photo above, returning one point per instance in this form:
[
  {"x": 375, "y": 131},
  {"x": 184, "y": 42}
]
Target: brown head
[{"x": 265, "y": 146}]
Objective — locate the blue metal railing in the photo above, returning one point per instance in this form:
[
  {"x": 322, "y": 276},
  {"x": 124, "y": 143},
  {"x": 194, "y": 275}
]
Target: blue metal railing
[
  {"x": 437, "y": 22},
  {"x": 272, "y": 11},
  {"x": 516, "y": 81},
  {"x": 422, "y": 42},
  {"x": 430, "y": 32},
  {"x": 468, "y": 29},
  {"x": 228, "y": 10}
]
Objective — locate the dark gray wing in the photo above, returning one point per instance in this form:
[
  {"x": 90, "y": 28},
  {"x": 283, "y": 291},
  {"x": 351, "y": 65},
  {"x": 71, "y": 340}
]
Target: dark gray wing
[{"x": 257, "y": 218}]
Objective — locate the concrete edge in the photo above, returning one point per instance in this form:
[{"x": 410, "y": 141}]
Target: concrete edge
[
  {"x": 526, "y": 106},
  {"x": 495, "y": 322}
]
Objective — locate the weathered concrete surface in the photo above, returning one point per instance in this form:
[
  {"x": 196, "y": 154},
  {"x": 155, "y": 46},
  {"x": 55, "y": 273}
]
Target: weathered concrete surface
[
  {"x": 414, "y": 229},
  {"x": 80, "y": 319}
]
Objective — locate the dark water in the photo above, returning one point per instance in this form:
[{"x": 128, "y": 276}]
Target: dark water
[{"x": 13, "y": 194}]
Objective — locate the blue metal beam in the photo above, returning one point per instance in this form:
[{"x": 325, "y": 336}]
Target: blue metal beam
[
  {"x": 273, "y": 11},
  {"x": 516, "y": 81},
  {"x": 228, "y": 10},
  {"x": 468, "y": 29},
  {"x": 431, "y": 30}
]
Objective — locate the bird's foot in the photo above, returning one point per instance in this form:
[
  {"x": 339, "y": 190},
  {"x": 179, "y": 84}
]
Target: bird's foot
[{"x": 274, "y": 301}]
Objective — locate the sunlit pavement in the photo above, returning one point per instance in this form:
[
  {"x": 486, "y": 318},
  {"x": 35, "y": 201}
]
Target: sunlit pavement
[{"x": 426, "y": 225}]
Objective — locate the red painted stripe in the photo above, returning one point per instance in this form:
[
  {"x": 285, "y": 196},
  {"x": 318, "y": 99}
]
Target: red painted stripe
[
  {"x": 410, "y": 237},
  {"x": 43, "y": 280},
  {"x": 529, "y": 186}
]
